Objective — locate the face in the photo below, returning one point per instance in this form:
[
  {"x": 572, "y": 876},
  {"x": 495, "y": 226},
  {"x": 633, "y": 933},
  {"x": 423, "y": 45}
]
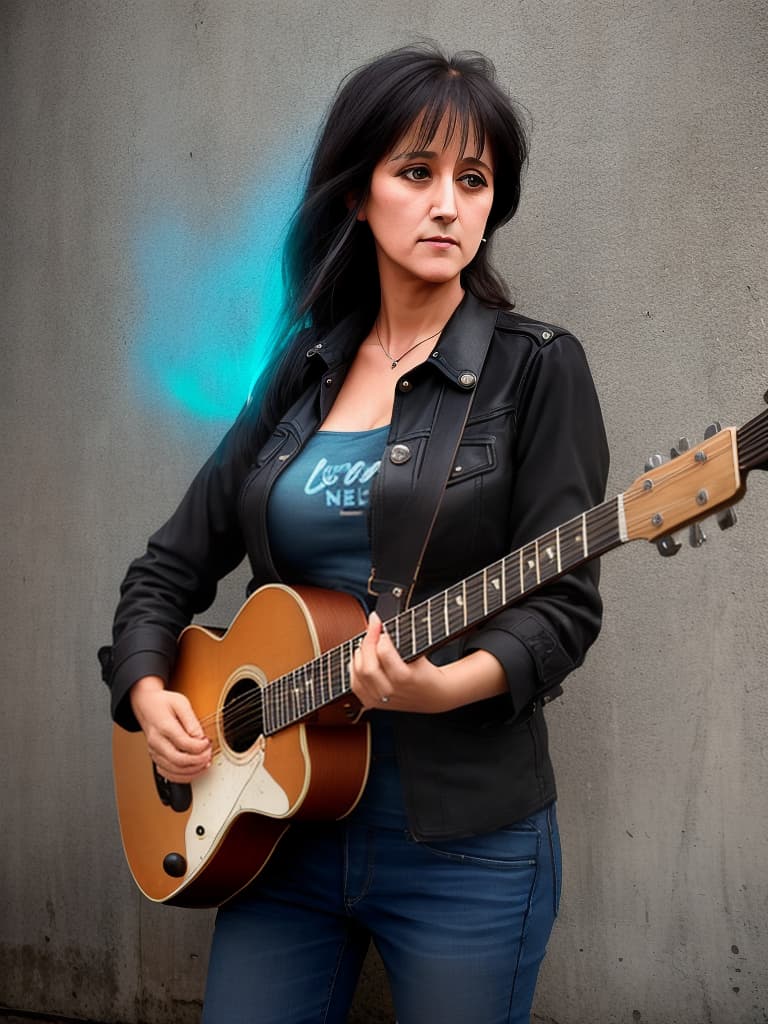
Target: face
[{"x": 428, "y": 209}]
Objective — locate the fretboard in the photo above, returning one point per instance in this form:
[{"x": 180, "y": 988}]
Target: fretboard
[{"x": 449, "y": 613}]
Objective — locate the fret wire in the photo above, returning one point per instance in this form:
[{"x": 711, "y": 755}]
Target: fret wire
[
  {"x": 584, "y": 535},
  {"x": 335, "y": 661},
  {"x": 309, "y": 684},
  {"x": 330, "y": 671},
  {"x": 557, "y": 548},
  {"x": 446, "y": 614},
  {"x": 301, "y": 694},
  {"x": 280, "y": 703},
  {"x": 267, "y": 693},
  {"x": 485, "y": 592},
  {"x": 522, "y": 577},
  {"x": 331, "y": 674},
  {"x": 538, "y": 565},
  {"x": 413, "y": 633},
  {"x": 271, "y": 704},
  {"x": 352, "y": 647}
]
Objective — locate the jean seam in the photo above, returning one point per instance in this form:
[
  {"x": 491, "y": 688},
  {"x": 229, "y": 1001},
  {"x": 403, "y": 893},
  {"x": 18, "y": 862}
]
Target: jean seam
[
  {"x": 524, "y": 930},
  {"x": 484, "y": 862},
  {"x": 339, "y": 959},
  {"x": 553, "y": 859},
  {"x": 351, "y": 901}
]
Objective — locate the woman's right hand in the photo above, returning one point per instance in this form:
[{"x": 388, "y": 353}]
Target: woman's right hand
[{"x": 175, "y": 738}]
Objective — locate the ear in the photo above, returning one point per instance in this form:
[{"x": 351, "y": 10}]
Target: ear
[{"x": 352, "y": 200}]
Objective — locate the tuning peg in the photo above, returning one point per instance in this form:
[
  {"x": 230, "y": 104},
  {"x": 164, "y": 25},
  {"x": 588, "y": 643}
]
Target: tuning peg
[
  {"x": 654, "y": 461},
  {"x": 726, "y": 519},
  {"x": 696, "y": 536},
  {"x": 712, "y": 429},
  {"x": 683, "y": 445},
  {"x": 668, "y": 546}
]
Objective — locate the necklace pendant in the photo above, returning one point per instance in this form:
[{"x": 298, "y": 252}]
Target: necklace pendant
[{"x": 394, "y": 364}]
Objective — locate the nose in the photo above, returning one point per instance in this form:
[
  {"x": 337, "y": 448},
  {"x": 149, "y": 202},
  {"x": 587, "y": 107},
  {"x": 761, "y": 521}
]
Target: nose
[{"x": 444, "y": 200}]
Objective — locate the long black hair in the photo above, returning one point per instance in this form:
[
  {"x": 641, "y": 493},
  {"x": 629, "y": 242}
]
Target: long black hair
[{"x": 329, "y": 262}]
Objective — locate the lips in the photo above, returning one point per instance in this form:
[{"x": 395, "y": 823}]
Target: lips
[{"x": 443, "y": 241}]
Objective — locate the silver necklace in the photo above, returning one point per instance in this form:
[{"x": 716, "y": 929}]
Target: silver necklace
[{"x": 408, "y": 350}]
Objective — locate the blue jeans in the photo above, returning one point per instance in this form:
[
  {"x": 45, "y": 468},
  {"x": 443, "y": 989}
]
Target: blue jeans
[{"x": 461, "y": 926}]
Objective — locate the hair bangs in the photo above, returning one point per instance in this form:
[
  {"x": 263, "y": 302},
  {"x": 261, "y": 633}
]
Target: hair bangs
[{"x": 438, "y": 109}]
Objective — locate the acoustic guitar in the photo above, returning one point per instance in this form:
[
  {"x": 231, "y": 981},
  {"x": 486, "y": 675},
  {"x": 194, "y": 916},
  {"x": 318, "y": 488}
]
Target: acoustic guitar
[{"x": 273, "y": 694}]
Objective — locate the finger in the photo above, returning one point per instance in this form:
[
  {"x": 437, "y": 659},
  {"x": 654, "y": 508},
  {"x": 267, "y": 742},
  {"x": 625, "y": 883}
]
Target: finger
[
  {"x": 164, "y": 750},
  {"x": 179, "y": 767},
  {"x": 366, "y": 679},
  {"x": 183, "y": 729},
  {"x": 373, "y": 632},
  {"x": 187, "y": 716},
  {"x": 174, "y": 774}
]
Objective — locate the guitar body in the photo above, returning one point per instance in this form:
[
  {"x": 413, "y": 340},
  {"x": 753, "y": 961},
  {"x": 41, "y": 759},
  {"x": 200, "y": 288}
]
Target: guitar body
[{"x": 197, "y": 845}]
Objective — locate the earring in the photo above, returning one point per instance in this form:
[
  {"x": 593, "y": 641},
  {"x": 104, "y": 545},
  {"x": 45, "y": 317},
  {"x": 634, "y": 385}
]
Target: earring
[{"x": 483, "y": 239}]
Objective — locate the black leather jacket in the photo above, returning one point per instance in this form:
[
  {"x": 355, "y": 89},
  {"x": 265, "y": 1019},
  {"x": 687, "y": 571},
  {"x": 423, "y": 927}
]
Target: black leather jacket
[{"x": 532, "y": 456}]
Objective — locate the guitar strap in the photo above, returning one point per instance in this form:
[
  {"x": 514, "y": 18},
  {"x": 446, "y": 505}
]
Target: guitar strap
[{"x": 401, "y": 531}]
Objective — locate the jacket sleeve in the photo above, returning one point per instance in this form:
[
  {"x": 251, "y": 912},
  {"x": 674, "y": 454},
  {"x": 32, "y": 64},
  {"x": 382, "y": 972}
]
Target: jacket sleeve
[
  {"x": 177, "y": 576},
  {"x": 561, "y": 470}
]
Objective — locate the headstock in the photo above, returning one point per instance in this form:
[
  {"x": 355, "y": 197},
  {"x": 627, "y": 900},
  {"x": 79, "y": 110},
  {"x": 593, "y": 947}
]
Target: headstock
[{"x": 695, "y": 483}]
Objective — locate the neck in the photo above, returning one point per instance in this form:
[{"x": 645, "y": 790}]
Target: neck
[{"x": 408, "y": 314}]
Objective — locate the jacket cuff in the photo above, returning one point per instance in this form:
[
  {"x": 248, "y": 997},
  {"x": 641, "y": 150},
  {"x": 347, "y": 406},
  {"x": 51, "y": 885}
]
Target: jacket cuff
[
  {"x": 517, "y": 662},
  {"x": 135, "y": 667}
]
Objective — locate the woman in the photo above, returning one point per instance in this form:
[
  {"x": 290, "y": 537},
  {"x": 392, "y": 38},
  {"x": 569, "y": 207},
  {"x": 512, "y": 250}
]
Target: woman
[{"x": 450, "y": 860}]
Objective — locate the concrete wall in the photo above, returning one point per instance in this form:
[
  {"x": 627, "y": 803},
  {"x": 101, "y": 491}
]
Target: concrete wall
[{"x": 642, "y": 227}]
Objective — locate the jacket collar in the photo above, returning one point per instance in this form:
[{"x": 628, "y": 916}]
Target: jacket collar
[{"x": 456, "y": 355}]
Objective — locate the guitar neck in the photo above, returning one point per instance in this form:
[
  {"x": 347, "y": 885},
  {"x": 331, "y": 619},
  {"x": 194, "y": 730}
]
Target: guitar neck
[
  {"x": 451, "y": 612},
  {"x": 703, "y": 480}
]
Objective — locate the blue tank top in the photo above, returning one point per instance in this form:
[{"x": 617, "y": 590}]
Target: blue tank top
[
  {"x": 318, "y": 534},
  {"x": 318, "y": 529}
]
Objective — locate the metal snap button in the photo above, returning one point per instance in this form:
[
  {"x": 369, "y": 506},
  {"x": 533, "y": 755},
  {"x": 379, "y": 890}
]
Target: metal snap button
[
  {"x": 546, "y": 335},
  {"x": 467, "y": 380},
  {"x": 400, "y": 453},
  {"x": 404, "y": 385}
]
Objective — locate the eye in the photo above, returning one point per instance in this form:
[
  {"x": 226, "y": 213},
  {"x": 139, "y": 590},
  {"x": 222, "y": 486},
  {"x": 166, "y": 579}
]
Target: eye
[
  {"x": 473, "y": 180},
  {"x": 419, "y": 173}
]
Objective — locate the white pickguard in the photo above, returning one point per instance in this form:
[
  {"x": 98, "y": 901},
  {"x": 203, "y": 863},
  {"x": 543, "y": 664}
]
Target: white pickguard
[{"x": 226, "y": 789}]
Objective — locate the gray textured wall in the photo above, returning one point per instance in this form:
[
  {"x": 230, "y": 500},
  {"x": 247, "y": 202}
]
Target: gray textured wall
[{"x": 642, "y": 228}]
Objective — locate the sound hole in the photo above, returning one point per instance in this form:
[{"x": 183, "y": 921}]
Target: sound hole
[{"x": 243, "y": 715}]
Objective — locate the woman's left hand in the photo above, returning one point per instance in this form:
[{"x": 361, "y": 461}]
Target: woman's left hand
[{"x": 381, "y": 679}]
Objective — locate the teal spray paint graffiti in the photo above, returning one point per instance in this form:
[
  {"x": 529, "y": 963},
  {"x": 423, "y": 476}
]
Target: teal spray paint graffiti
[{"x": 209, "y": 303}]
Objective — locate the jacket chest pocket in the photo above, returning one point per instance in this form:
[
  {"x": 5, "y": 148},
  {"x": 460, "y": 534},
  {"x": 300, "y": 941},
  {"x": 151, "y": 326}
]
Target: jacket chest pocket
[
  {"x": 474, "y": 457},
  {"x": 270, "y": 449}
]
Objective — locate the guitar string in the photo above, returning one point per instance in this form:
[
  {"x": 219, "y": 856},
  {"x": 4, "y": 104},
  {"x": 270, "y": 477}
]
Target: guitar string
[
  {"x": 240, "y": 710},
  {"x": 755, "y": 437},
  {"x": 475, "y": 587}
]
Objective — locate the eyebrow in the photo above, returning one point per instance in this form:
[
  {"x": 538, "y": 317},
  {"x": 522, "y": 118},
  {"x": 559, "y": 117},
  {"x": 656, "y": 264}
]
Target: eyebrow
[{"x": 430, "y": 154}]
